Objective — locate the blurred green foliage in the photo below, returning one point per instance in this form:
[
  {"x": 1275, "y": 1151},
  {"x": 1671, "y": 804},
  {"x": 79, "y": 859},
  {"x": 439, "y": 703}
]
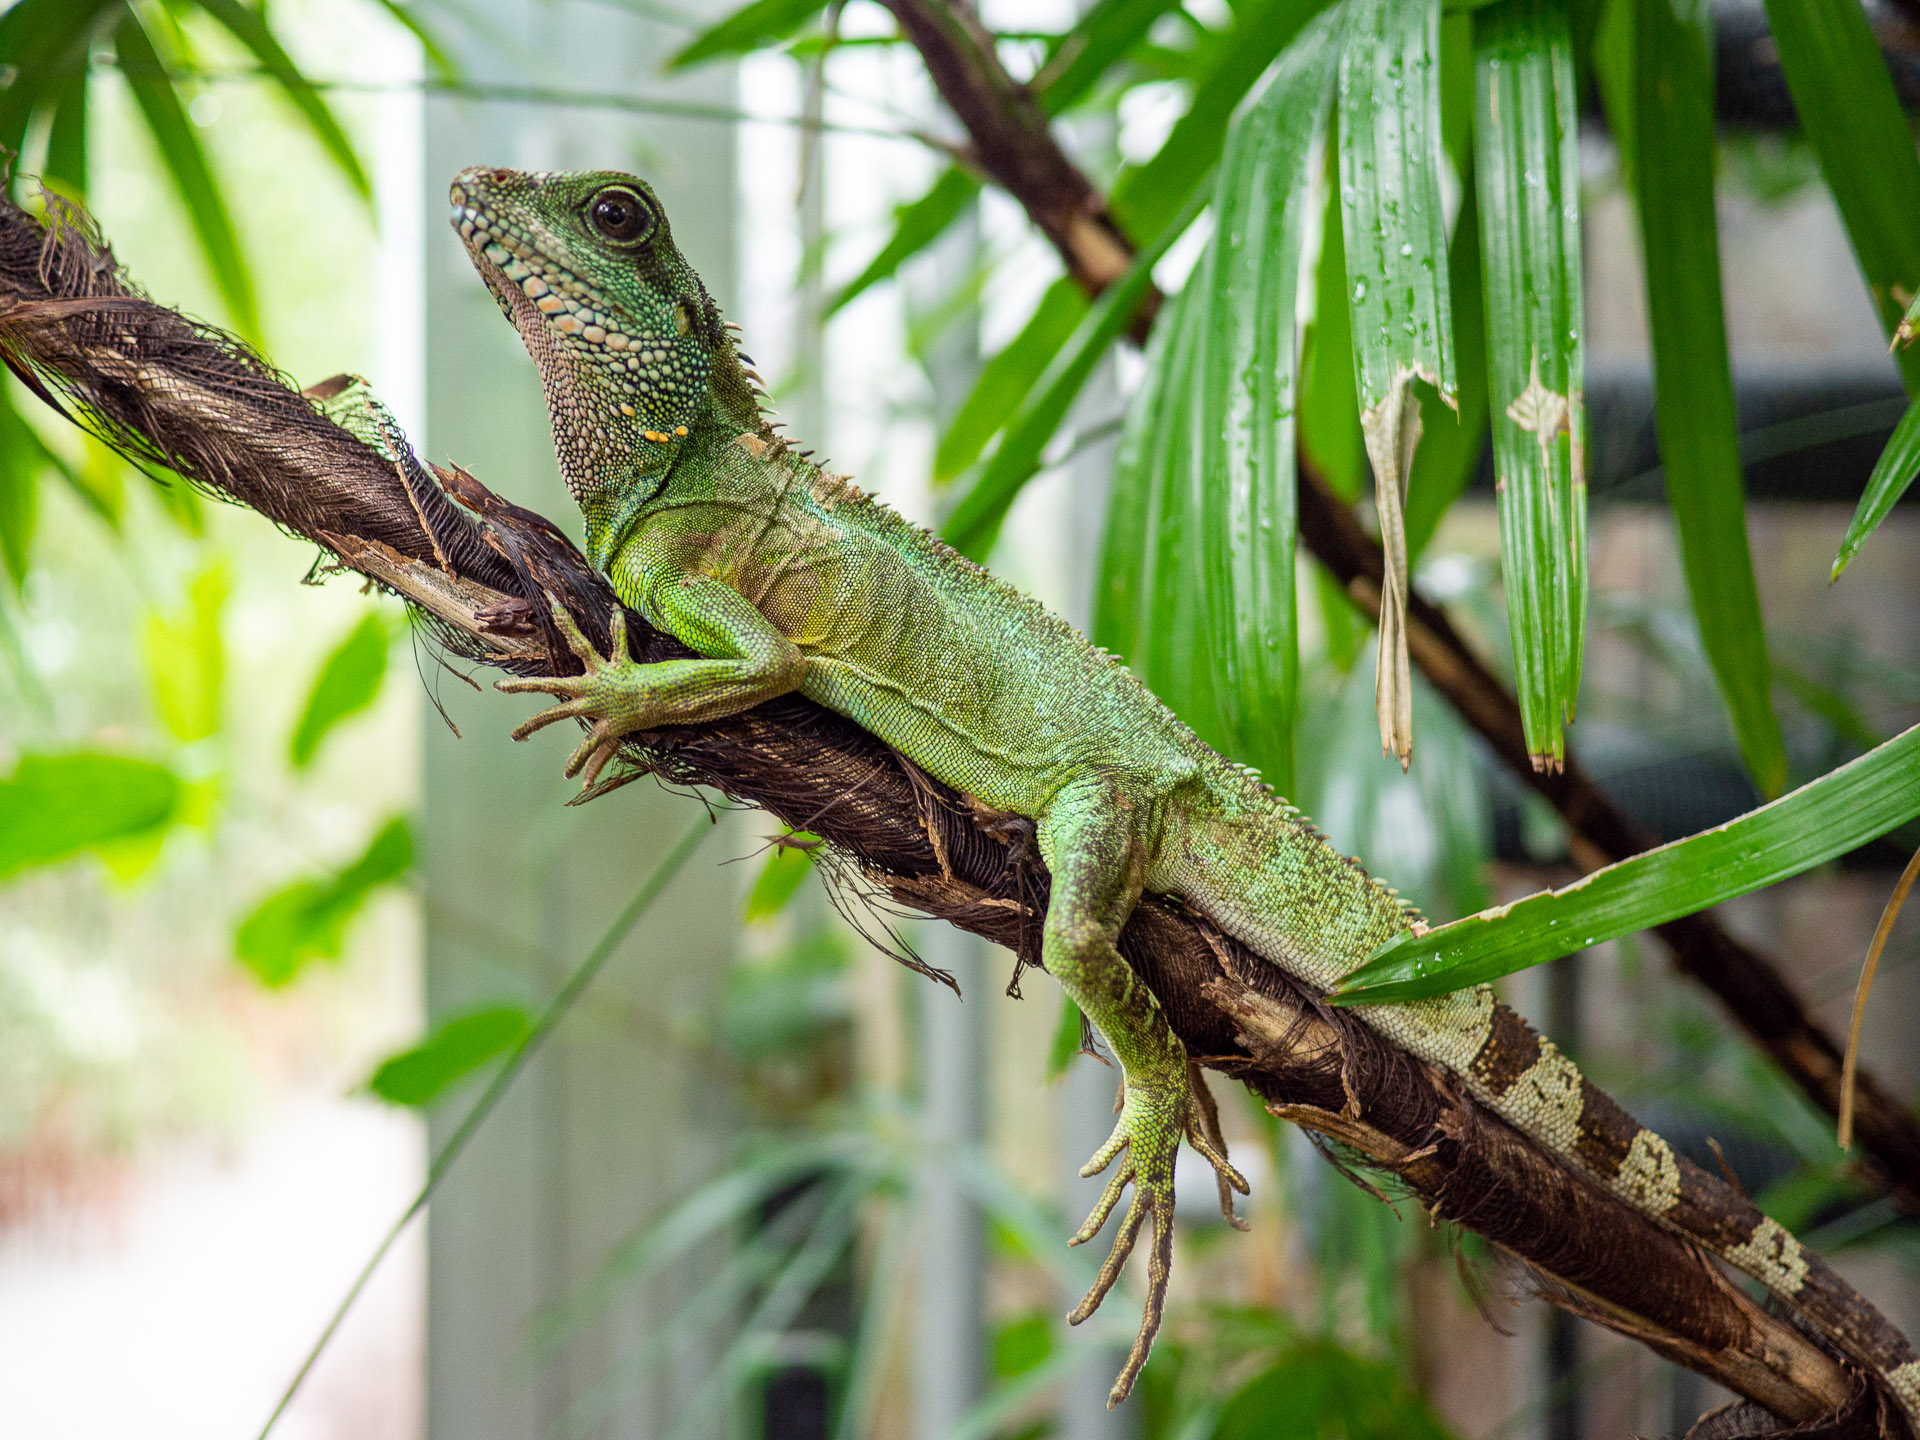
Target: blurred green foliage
[
  {"x": 308, "y": 920},
  {"x": 348, "y": 682},
  {"x": 49, "y": 46},
  {"x": 459, "y": 1045},
  {"x": 186, "y": 658},
  {"x": 53, "y": 807}
]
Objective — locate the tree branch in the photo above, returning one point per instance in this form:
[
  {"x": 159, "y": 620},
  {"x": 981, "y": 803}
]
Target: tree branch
[
  {"x": 478, "y": 572},
  {"x": 1026, "y": 160},
  {"x": 1012, "y": 144}
]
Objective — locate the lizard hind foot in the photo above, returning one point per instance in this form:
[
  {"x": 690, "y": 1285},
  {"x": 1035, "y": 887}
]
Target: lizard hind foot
[{"x": 1149, "y": 1135}]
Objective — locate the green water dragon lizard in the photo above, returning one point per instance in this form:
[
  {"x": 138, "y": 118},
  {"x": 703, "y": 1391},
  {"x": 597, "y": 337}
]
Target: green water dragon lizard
[{"x": 782, "y": 576}]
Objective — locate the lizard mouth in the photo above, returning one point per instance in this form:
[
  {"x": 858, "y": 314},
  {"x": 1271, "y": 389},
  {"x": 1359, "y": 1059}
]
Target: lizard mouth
[
  {"x": 549, "y": 305},
  {"x": 505, "y": 264},
  {"x": 616, "y": 393}
]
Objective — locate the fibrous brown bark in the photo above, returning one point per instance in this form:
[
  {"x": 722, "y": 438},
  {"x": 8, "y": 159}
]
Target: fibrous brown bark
[
  {"x": 478, "y": 570},
  {"x": 1025, "y": 158}
]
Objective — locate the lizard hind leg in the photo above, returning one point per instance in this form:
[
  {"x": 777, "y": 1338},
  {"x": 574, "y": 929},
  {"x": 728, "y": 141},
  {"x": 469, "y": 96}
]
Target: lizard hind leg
[{"x": 1093, "y": 842}]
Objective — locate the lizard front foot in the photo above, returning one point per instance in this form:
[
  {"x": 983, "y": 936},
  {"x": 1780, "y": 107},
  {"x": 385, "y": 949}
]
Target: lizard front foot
[
  {"x": 607, "y": 693},
  {"x": 1152, "y": 1120}
]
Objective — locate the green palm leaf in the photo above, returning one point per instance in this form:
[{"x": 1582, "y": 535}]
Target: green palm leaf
[
  {"x": 66, "y": 163},
  {"x": 1196, "y": 582},
  {"x": 186, "y": 162},
  {"x": 975, "y": 522},
  {"x": 45, "y": 43},
  {"x": 1527, "y": 166},
  {"x": 1146, "y": 199},
  {"x": 1008, "y": 378},
  {"x": 1075, "y": 63},
  {"x": 1850, "y": 113},
  {"x": 1450, "y": 441},
  {"x": 1147, "y": 196},
  {"x": 1329, "y": 408},
  {"x": 916, "y": 225},
  {"x": 1821, "y": 821},
  {"x": 252, "y": 31},
  {"x": 1099, "y": 38},
  {"x": 1244, "y": 369},
  {"x": 753, "y": 26},
  {"x": 1693, "y": 381},
  {"x": 1893, "y": 472},
  {"x": 1123, "y": 589}
]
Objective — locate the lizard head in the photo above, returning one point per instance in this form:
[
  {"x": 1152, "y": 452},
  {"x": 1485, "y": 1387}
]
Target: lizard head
[{"x": 624, "y": 334}]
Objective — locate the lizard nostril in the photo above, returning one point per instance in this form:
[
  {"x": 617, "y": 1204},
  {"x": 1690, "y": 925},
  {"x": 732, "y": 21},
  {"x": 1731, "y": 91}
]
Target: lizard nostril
[{"x": 478, "y": 178}]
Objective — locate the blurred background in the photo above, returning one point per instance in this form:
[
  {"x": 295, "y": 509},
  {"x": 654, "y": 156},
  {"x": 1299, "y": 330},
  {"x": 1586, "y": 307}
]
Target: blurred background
[{"x": 764, "y": 1181}]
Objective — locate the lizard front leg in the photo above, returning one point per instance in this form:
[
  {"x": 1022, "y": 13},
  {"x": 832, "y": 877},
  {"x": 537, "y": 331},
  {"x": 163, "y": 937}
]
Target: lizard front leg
[
  {"x": 1094, "y": 843},
  {"x": 743, "y": 661}
]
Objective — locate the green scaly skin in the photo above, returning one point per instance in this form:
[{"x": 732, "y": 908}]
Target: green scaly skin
[{"x": 781, "y": 576}]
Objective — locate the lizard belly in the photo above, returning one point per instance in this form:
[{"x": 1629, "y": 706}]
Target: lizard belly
[
  {"x": 985, "y": 701},
  {"x": 1014, "y": 771}
]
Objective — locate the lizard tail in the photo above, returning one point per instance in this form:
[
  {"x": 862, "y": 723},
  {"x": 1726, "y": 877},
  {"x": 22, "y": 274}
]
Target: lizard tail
[
  {"x": 1527, "y": 1081},
  {"x": 1259, "y": 870}
]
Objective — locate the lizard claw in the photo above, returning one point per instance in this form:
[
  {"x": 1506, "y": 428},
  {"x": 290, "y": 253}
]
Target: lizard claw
[
  {"x": 596, "y": 761},
  {"x": 570, "y": 632},
  {"x": 595, "y": 694},
  {"x": 1203, "y": 1133},
  {"x": 1149, "y": 1132}
]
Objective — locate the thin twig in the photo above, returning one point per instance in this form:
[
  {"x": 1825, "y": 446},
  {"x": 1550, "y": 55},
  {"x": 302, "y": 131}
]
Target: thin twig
[
  {"x": 563, "y": 1001},
  {"x": 1867, "y": 971}
]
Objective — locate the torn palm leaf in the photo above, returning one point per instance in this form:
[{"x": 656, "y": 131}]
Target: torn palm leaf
[{"x": 1396, "y": 241}]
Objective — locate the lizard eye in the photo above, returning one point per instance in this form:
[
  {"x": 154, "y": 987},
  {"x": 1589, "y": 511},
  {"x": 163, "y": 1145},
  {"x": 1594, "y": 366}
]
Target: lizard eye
[{"x": 621, "y": 215}]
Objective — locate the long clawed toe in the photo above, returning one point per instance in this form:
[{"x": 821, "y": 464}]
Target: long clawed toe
[
  {"x": 593, "y": 761},
  {"x": 1108, "y": 1199},
  {"x": 1151, "y": 1177},
  {"x": 1227, "y": 1178},
  {"x": 591, "y": 754},
  {"x": 577, "y": 641},
  {"x": 533, "y": 724},
  {"x": 1155, "y": 1203},
  {"x": 1203, "y": 1133},
  {"x": 602, "y": 742},
  {"x": 1115, "y": 1262},
  {"x": 1159, "y": 1269}
]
